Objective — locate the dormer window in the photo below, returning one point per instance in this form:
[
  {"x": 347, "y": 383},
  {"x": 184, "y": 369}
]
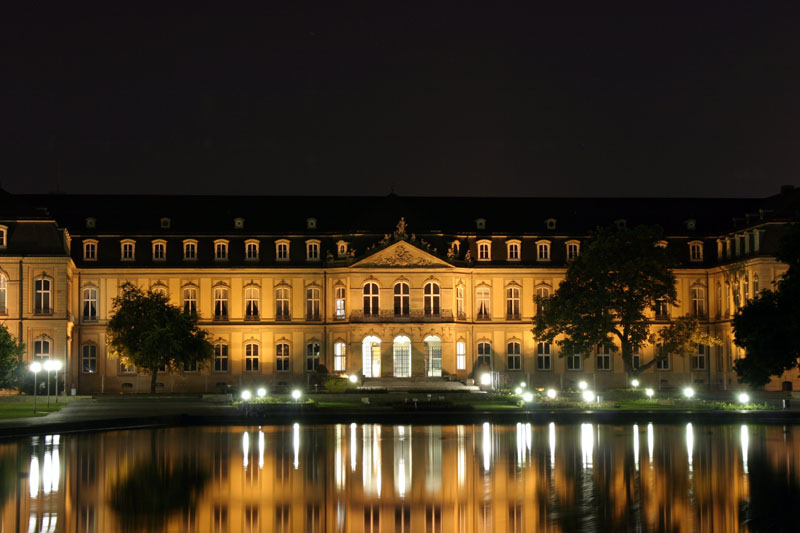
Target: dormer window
[
  {"x": 311, "y": 223},
  {"x": 312, "y": 250},
  {"x": 456, "y": 247},
  {"x": 3, "y": 237},
  {"x": 165, "y": 223},
  {"x": 661, "y": 244},
  {"x": 543, "y": 250},
  {"x": 550, "y": 223},
  {"x": 691, "y": 224},
  {"x": 189, "y": 250},
  {"x": 513, "y": 250},
  {"x": 282, "y": 250},
  {"x": 90, "y": 250},
  {"x": 91, "y": 222},
  {"x": 128, "y": 251},
  {"x": 573, "y": 250},
  {"x": 238, "y": 223},
  {"x": 484, "y": 250},
  {"x": 480, "y": 223},
  {"x": 251, "y": 250},
  {"x": 341, "y": 249},
  {"x": 159, "y": 250},
  {"x": 695, "y": 251},
  {"x": 621, "y": 224},
  {"x": 220, "y": 250}
]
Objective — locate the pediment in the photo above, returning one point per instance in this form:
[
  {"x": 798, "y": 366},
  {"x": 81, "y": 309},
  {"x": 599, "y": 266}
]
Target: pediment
[{"x": 402, "y": 255}]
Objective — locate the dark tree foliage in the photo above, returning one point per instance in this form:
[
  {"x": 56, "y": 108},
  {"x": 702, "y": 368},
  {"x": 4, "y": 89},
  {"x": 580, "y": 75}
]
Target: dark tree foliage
[
  {"x": 768, "y": 327},
  {"x": 11, "y": 365},
  {"x": 149, "y": 332},
  {"x": 609, "y": 291}
]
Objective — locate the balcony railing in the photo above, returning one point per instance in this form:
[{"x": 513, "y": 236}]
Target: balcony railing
[{"x": 387, "y": 315}]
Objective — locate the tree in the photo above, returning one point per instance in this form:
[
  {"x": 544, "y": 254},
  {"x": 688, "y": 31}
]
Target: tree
[
  {"x": 768, "y": 326},
  {"x": 149, "y": 332},
  {"x": 11, "y": 365},
  {"x": 608, "y": 293}
]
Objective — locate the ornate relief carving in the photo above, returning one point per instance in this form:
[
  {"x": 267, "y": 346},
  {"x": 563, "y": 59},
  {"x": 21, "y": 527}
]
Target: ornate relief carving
[{"x": 401, "y": 256}]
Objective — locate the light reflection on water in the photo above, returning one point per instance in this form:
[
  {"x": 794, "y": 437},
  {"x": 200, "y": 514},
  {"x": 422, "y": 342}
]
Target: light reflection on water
[{"x": 372, "y": 477}]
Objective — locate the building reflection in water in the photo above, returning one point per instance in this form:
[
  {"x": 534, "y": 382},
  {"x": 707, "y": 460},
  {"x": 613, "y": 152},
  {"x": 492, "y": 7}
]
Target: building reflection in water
[{"x": 374, "y": 478}]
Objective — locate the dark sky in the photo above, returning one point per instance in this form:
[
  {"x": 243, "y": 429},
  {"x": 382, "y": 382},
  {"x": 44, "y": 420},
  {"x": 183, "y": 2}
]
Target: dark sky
[{"x": 437, "y": 101}]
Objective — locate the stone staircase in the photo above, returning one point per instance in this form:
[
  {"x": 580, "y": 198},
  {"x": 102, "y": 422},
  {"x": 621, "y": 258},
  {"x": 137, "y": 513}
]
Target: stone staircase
[{"x": 416, "y": 384}]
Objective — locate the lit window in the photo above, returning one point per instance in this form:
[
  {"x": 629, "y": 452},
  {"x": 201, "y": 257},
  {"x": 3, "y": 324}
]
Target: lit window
[
  {"x": 90, "y": 303},
  {"x": 513, "y": 356},
  {"x": 189, "y": 250},
  {"x": 251, "y": 352},
  {"x": 573, "y": 250},
  {"x": 251, "y": 250},
  {"x": 484, "y": 251},
  {"x": 513, "y": 250},
  {"x": 312, "y": 356},
  {"x": 482, "y": 301},
  {"x": 89, "y": 358},
  {"x": 42, "y": 296},
  {"x": 41, "y": 349},
  {"x": 340, "y": 303},
  {"x": 339, "y": 357},
  {"x": 402, "y": 299},
  {"x": 128, "y": 250},
  {"x": 3, "y": 294},
  {"x": 220, "y": 303},
  {"x": 90, "y": 250},
  {"x": 543, "y": 250},
  {"x": 696, "y": 251},
  {"x": 512, "y": 303},
  {"x": 431, "y": 299},
  {"x": 282, "y": 303},
  {"x": 3, "y": 237},
  {"x": 159, "y": 250},
  {"x": 252, "y": 296},
  {"x": 484, "y": 354},
  {"x": 312, "y": 303},
  {"x": 312, "y": 250},
  {"x": 698, "y": 301},
  {"x": 543, "y": 360},
  {"x": 190, "y": 300},
  {"x": 371, "y": 299},
  {"x": 220, "y": 357},
  {"x": 603, "y": 356},
  {"x": 220, "y": 250},
  {"x": 461, "y": 355},
  {"x": 282, "y": 250},
  {"x": 282, "y": 357}
]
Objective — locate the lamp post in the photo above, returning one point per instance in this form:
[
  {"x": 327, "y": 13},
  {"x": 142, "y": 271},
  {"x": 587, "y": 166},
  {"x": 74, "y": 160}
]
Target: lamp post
[
  {"x": 35, "y": 368},
  {"x": 51, "y": 365},
  {"x": 58, "y": 366}
]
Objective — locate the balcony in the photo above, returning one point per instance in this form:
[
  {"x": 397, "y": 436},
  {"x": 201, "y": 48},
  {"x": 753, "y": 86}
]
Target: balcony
[{"x": 387, "y": 315}]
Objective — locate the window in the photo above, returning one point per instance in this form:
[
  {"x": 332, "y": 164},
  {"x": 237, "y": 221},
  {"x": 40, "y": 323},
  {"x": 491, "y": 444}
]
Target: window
[
  {"x": 42, "y": 296},
  {"x": 431, "y": 299},
  {"x": 41, "y": 349},
  {"x": 251, "y": 250},
  {"x": 543, "y": 360},
  {"x": 514, "y": 359},
  {"x": 480, "y": 223},
  {"x": 91, "y": 222},
  {"x": 484, "y": 353},
  {"x": 401, "y": 299},
  {"x": 341, "y": 249},
  {"x": 542, "y": 294},
  {"x": 550, "y": 223},
  {"x": 90, "y": 250},
  {"x": 238, "y": 223},
  {"x": 339, "y": 357},
  {"x": 282, "y": 357},
  {"x": 455, "y": 246},
  {"x": 461, "y": 315},
  {"x": 282, "y": 303},
  {"x": 371, "y": 299},
  {"x": 312, "y": 250},
  {"x": 159, "y": 250},
  {"x": 282, "y": 250},
  {"x": 3, "y": 294},
  {"x": 663, "y": 363},
  {"x": 696, "y": 251},
  {"x": 339, "y": 302},
  {"x": 252, "y": 296},
  {"x": 165, "y": 223},
  {"x": 220, "y": 357},
  {"x": 189, "y": 250},
  {"x": 484, "y": 250},
  {"x": 251, "y": 353},
  {"x": 543, "y": 250},
  {"x": 312, "y": 356},
  {"x": 89, "y": 358},
  {"x": 220, "y": 303},
  {"x": 128, "y": 250},
  {"x": 574, "y": 361},
  {"x": 512, "y": 303},
  {"x": 312, "y": 303},
  {"x": 699, "y": 359},
  {"x": 159, "y": 289},
  {"x": 126, "y": 368},
  {"x": 482, "y": 300},
  {"x": 698, "y": 302},
  {"x": 573, "y": 250},
  {"x": 603, "y": 356},
  {"x": 512, "y": 249},
  {"x": 636, "y": 358},
  {"x": 3, "y": 236},
  {"x": 220, "y": 250},
  {"x": 461, "y": 355},
  {"x": 661, "y": 309},
  {"x": 190, "y": 300},
  {"x": 89, "y": 303}
]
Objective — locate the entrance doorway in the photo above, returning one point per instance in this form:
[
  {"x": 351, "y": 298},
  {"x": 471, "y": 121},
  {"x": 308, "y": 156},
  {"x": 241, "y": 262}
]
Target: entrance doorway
[
  {"x": 433, "y": 347},
  {"x": 371, "y": 357}
]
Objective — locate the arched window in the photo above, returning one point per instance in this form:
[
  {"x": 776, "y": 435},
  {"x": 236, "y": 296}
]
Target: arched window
[
  {"x": 42, "y": 296},
  {"x": 189, "y": 250},
  {"x": 220, "y": 250},
  {"x": 484, "y": 250},
  {"x": 190, "y": 300},
  {"x": 159, "y": 289},
  {"x": 89, "y": 358},
  {"x": 312, "y": 356},
  {"x": 312, "y": 303},
  {"x": 431, "y": 299},
  {"x": 513, "y": 250},
  {"x": 128, "y": 250},
  {"x": 512, "y": 303},
  {"x": 282, "y": 250},
  {"x": 371, "y": 357},
  {"x": 696, "y": 251},
  {"x": 251, "y": 250},
  {"x": 543, "y": 250},
  {"x": 573, "y": 250},
  {"x": 42, "y": 349},
  {"x": 483, "y": 303},
  {"x": 3, "y": 295},
  {"x": 339, "y": 357},
  {"x": 698, "y": 301},
  {"x": 90, "y": 250},
  {"x": 159, "y": 250},
  {"x": 3, "y": 237},
  {"x": 401, "y": 355},
  {"x": 433, "y": 348},
  {"x": 371, "y": 299},
  {"x": 312, "y": 250},
  {"x": 220, "y": 303},
  {"x": 401, "y": 299},
  {"x": 89, "y": 305},
  {"x": 282, "y": 357},
  {"x": 251, "y": 354},
  {"x": 252, "y": 298},
  {"x": 220, "y": 357},
  {"x": 513, "y": 355},
  {"x": 282, "y": 303}
]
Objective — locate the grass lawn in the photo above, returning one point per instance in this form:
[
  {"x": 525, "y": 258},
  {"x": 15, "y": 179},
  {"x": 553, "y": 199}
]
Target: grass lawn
[{"x": 22, "y": 406}]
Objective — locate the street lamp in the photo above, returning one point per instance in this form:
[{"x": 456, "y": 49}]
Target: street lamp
[
  {"x": 51, "y": 365},
  {"x": 649, "y": 393},
  {"x": 582, "y": 385},
  {"x": 35, "y": 368},
  {"x": 688, "y": 392},
  {"x": 635, "y": 383},
  {"x": 296, "y": 394}
]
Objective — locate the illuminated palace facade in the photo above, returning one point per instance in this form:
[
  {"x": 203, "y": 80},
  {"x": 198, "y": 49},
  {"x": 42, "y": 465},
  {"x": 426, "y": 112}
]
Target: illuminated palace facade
[{"x": 407, "y": 288}]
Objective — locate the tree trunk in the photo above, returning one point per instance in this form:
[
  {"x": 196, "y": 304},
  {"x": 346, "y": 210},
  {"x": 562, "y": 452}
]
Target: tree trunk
[{"x": 153, "y": 381}]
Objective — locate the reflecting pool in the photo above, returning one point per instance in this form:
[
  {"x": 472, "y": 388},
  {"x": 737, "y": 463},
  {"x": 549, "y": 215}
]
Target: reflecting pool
[{"x": 379, "y": 478}]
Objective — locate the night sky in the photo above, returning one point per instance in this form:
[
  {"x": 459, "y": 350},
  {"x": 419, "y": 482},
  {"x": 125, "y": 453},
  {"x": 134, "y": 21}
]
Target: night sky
[{"x": 437, "y": 101}]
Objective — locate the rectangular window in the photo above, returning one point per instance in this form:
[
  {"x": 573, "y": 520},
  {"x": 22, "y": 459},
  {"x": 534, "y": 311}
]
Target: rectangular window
[
  {"x": 573, "y": 251},
  {"x": 461, "y": 315},
  {"x": 190, "y": 366},
  {"x": 90, "y": 251},
  {"x": 603, "y": 357},
  {"x": 251, "y": 352},
  {"x": 341, "y": 312},
  {"x": 662, "y": 364},
  {"x": 127, "y": 251},
  {"x": 574, "y": 361},
  {"x": 90, "y": 304},
  {"x": 159, "y": 251},
  {"x": 125, "y": 368},
  {"x": 282, "y": 357},
  {"x": 699, "y": 302},
  {"x": 699, "y": 359},
  {"x": 282, "y": 251},
  {"x": 482, "y": 300},
  {"x": 189, "y": 251},
  {"x": 220, "y": 357},
  {"x": 312, "y": 303},
  {"x": 220, "y": 303},
  {"x": 543, "y": 251},
  {"x": 89, "y": 358},
  {"x": 514, "y": 357},
  {"x": 41, "y": 349},
  {"x": 42, "y": 293},
  {"x": 636, "y": 360},
  {"x": 189, "y": 300},
  {"x": 484, "y": 354},
  {"x": 339, "y": 357},
  {"x": 251, "y": 251},
  {"x": 543, "y": 360},
  {"x": 221, "y": 250},
  {"x": 513, "y": 251},
  {"x": 512, "y": 303},
  {"x": 312, "y": 251},
  {"x": 312, "y": 356},
  {"x": 484, "y": 251},
  {"x": 461, "y": 355},
  {"x": 282, "y": 303},
  {"x": 251, "y": 303}
]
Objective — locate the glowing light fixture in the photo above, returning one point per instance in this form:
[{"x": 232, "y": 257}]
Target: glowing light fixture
[
  {"x": 588, "y": 396},
  {"x": 635, "y": 383},
  {"x": 528, "y": 397},
  {"x": 518, "y": 390},
  {"x": 246, "y": 395},
  {"x": 523, "y": 385},
  {"x": 582, "y": 385},
  {"x": 486, "y": 379},
  {"x": 353, "y": 378},
  {"x": 261, "y": 392},
  {"x": 551, "y": 393},
  {"x": 296, "y": 394},
  {"x": 688, "y": 392},
  {"x": 649, "y": 392},
  {"x": 744, "y": 397}
]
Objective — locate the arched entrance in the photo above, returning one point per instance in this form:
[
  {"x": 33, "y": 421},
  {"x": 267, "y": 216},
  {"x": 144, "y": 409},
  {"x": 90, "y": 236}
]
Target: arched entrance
[
  {"x": 401, "y": 350},
  {"x": 433, "y": 359},
  {"x": 371, "y": 357}
]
